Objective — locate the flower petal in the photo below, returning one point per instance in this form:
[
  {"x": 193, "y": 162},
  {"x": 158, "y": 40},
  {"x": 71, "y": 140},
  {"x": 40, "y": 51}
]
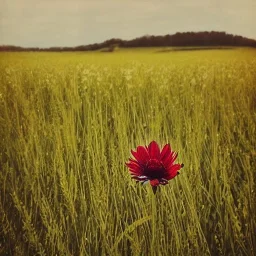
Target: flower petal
[
  {"x": 133, "y": 163},
  {"x": 140, "y": 178},
  {"x": 154, "y": 150},
  {"x": 141, "y": 155},
  {"x": 173, "y": 171},
  {"x": 166, "y": 151},
  {"x": 168, "y": 162},
  {"x": 134, "y": 167},
  {"x": 163, "y": 181},
  {"x": 134, "y": 171},
  {"x": 154, "y": 182}
]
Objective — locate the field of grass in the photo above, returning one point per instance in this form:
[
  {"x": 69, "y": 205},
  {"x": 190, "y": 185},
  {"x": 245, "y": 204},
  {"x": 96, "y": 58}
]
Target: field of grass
[{"x": 68, "y": 122}]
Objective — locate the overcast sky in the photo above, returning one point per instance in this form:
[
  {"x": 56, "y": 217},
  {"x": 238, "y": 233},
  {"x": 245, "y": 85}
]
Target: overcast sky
[{"x": 45, "y": 23}]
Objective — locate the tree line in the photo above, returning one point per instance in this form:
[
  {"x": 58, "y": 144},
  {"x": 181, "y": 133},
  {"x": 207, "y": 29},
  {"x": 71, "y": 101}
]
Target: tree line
[{"x": 212, "y": 38}]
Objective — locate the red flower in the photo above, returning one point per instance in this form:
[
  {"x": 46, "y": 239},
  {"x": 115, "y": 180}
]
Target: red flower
[{"x": 151, "y": 164}]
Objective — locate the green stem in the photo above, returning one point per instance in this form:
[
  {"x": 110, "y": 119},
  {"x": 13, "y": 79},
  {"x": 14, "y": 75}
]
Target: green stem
[{"x": 154, "y": 219}]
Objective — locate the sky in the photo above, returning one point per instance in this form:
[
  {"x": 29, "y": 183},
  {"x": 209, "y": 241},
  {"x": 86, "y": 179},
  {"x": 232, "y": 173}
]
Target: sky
[{"x": 46, "y": 23}]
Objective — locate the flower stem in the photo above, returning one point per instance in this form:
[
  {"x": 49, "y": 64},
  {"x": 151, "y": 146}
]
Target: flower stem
[{"x": 154, "y": 226}]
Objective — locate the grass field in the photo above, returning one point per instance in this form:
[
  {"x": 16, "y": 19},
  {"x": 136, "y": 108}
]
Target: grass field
[{"x": 68, "y": 122}]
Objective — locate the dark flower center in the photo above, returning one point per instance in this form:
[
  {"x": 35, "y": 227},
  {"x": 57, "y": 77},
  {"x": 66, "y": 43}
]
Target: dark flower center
[{"x": 154, "y": 169}]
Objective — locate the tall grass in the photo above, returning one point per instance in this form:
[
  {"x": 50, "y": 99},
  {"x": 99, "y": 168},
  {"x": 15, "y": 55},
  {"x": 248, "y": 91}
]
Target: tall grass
[{"x": 67, "y": 124}]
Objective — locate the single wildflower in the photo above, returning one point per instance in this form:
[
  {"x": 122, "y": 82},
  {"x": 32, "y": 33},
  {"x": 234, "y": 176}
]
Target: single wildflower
[{"x": 150, "y": 164}]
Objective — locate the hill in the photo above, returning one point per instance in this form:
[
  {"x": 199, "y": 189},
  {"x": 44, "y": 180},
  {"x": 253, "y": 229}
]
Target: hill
[{"x": 205, "y": 38}]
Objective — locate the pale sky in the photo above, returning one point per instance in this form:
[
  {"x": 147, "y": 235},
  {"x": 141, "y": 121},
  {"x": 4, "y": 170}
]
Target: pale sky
[{"x": 45, "y": 23}]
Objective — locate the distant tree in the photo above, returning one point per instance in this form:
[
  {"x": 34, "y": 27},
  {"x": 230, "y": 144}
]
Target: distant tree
[
  {"x": 205, "y": 38},
  {"x": 113, "y": 47}
]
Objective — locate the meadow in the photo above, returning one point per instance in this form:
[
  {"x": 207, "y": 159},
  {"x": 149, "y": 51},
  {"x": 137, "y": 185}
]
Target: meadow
[{"x": 68, "y": 122}]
